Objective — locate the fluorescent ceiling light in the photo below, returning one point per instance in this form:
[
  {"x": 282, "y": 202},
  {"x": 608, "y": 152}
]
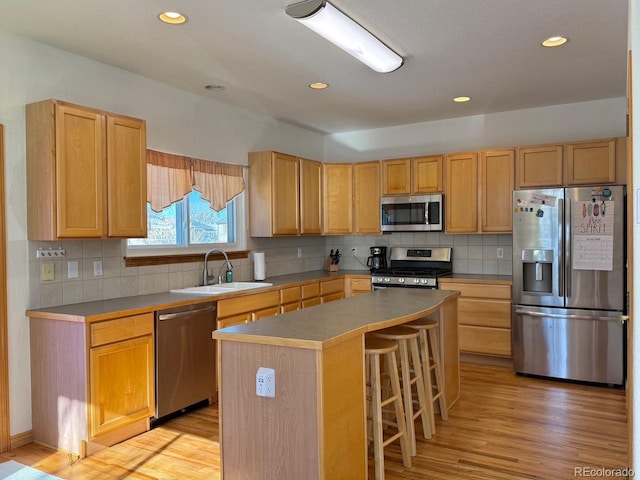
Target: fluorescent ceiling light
[{"x": 329, "y": 22}]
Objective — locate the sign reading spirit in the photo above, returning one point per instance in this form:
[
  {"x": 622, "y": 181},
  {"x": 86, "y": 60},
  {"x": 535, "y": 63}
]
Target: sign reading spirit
[{"x": 592, "y": 227}]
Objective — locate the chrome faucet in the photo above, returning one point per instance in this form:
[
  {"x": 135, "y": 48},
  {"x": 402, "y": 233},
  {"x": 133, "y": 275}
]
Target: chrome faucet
[{"x": 205, "y": 276}]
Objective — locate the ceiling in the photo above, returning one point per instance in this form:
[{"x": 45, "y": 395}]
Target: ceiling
[{"x": 486, "y": 49}]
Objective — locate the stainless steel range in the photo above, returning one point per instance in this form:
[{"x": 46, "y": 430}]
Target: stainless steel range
[{"x": 414, "y": 267}]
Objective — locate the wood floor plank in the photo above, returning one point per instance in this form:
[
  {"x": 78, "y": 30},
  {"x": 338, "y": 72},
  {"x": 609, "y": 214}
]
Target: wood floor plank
[{"x": 505, "y": 427}]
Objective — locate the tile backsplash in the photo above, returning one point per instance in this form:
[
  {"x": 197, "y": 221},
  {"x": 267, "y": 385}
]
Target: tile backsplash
[{"x": 471, "y": 254}]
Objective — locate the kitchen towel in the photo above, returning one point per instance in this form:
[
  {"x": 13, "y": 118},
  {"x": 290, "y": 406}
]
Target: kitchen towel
[{"x": 259, "y": 266}]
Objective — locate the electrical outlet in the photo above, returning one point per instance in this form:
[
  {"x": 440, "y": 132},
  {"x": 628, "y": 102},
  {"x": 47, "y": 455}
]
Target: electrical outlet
[
  {"x": 97, "y": 268},
  {"x": 500, "y": 252},
  {"x": 266, "y": 382},
  {"x": 72, "y": 269}
]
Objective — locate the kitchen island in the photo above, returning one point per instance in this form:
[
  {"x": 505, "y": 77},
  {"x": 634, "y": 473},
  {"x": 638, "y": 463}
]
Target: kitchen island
[{"x": 315, "y": 426}]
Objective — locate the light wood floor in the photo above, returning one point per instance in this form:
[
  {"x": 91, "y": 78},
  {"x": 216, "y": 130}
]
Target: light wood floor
[{"x": 504, "y": 427}]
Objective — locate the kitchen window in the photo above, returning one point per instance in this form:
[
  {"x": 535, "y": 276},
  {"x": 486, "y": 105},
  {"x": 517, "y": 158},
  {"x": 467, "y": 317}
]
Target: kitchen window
[
  {"x": 189, "y": 222},
  {"x": 192, "y": 205}
]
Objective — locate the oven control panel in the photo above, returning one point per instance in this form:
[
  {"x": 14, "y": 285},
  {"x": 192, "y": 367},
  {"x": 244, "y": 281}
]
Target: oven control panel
[{"x": 404, "y": 282}]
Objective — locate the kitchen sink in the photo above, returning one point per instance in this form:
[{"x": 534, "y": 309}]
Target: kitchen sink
[{"x": 220, "y": 288}]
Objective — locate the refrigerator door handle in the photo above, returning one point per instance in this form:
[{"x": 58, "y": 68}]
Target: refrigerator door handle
[
  {"x": 558, "y": 256},
  {"x": 567, "y": 251},
  {"x": 570, "y": 316}
]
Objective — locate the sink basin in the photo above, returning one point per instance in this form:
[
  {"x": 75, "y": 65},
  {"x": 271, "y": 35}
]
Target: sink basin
[{"x": 221, "y": 288}]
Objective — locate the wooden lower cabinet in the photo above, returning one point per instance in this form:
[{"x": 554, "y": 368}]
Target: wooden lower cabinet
[
  {"x": 93, "y": 384},
  {"x": 331, "y": 290},
  {"x": 290, "y": 299},
  {"x": 354, "y": 286},
  {"x": 310, "y": 294},
  {"x": 484, "y": 317}
]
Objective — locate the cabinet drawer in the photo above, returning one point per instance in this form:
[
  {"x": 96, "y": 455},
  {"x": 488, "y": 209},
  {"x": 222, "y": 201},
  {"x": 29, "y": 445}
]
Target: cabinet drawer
[
  {"x": 360, "y": 285},
  {"x": 103, "y": 333},
  {"x": 310, "y": 290},
  {"x": 249, "y": 303},
  {"x": 478, "y": 290},
  {"x": 486, "y": 313},
  {"x": 289, "y": 307},
  {"x": 485, "y": 340},
  {"x": 331, "y": 286},
  {"x": 290, "y": 294},
  {"x": 234, "y": 320},
  {"x": 310, "y": 302},
  {"x": 331, "y": 297},
  {"x": 266, "y": 312}
]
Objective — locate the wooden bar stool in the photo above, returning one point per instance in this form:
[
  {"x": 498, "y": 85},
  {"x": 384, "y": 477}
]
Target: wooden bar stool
[
  {"x": 432, "y": 366},
  {"x": 375, "y": 348},
  {"x": 411, "y": 373}
]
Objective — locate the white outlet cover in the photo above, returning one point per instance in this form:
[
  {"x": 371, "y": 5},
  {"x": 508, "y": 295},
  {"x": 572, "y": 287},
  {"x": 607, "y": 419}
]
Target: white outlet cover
[
  {"x": 266, "y": 382},
  {"x": 97, "y": 268}
]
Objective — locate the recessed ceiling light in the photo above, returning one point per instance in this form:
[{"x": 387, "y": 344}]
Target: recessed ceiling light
[
  {"x": 173, "y": 18},
  {"x": 214, "y": 88},
  {"x": 319, "y": 85},
  {"x": 554, "y": 42},
  {"x": 461, "y": 99}
]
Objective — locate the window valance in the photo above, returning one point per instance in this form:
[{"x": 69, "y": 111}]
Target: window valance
[{"x": 171, "y": 177}]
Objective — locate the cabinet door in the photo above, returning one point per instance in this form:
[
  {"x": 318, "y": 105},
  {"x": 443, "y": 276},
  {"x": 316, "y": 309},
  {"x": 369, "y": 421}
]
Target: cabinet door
[
  {"x": 265, "y": 312},
  {"x": 539, "y": 166},
  {"x": 285, "y": 195},
  {"x": 80, "y": 172},
  {"x": 122, "y": 384},
  {"x": 427, "y": 174},
  {"x": 461, "y": 203},
  {"x": 496, "y": 190},
  {"x": 396, "y": 176},
  {"x": 126, "y": 177},
  {"x": 366, "y": 197},
  {"x": 589, "y": 163},
  {"x": 338, "y": 198},
  {"x": 310, "y": 197}
]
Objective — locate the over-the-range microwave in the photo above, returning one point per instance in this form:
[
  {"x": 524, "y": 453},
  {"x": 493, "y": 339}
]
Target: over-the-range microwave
[{"x": 412, "y": 213}]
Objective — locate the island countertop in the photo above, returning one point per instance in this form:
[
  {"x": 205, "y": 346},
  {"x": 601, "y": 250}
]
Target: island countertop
[{"x": 324, "y": 325}]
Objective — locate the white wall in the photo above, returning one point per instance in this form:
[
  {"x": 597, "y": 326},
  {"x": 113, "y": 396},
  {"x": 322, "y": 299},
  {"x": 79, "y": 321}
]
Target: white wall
[{"x": 184, "y": 123}]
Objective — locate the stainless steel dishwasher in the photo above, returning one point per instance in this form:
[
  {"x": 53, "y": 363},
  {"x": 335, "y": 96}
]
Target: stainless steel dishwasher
[{"x": 185, "y": 357}]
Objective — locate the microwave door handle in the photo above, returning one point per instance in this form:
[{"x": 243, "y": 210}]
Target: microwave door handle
[{"x": 426, "y": 214}]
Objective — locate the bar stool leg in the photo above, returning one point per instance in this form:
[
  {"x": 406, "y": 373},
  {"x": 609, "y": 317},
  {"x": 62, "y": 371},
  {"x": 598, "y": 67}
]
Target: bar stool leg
[
  {"x": 405, "y": 447},
  {"x": 438, "y": 367},
  {"x": 376, "y": 415},
  {"x": 425, "y": 408}
]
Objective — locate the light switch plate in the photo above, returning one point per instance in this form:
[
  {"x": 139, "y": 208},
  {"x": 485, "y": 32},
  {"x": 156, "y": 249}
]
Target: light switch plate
[
  {"x": 47, "y": 272},
  {"x": 72, "y": 269},
  {"x": 97, "y": 268}
]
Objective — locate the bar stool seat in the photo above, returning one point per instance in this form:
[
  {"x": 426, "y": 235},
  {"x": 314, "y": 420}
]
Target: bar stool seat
[
  {"x": 432, "y": 366},
  {"x": 411, "y": 374},
  {"x": 374, "y": 349}
]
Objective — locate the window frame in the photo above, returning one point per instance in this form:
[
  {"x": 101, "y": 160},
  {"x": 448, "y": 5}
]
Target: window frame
[{"x": 190, "y": 251}]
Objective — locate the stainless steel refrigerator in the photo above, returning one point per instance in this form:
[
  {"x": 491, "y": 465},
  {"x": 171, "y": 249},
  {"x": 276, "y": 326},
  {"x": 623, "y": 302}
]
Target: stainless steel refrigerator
[{"x": 569, "y": 283}]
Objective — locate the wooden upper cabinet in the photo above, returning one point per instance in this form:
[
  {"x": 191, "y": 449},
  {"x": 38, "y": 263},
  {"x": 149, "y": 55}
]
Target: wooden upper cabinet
[
  {"x": 496, "y": 190},
  {"x": 427, "y": 174},
  {"x": 396, "y": 176},
  {"x": 461, "y": 187},
  {"x": 539, "y": 166},
  {"x": 406, "y": 176},
  {"x": 126, "y": 177},
  {"x": 86, "y": 173},
  {"x": 591, "y": 162},
  {"x": 310, "y": 197},
  {"x": 366, "y": 197},
  {"x": 337, "y": 181},
  {"x": 273, "y": 194},
  {"x": 285, "y": 200}
]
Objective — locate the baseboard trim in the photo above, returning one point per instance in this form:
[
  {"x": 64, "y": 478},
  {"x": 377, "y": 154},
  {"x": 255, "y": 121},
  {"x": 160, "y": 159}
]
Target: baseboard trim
[
  {"x": 21, "y": 439},
  {"x": 486, "y": 360}
]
